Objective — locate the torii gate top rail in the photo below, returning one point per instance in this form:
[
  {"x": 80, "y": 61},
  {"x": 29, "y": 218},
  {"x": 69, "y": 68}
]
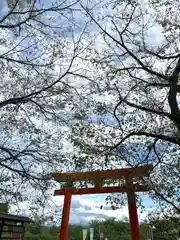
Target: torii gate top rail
[
  {"x": 108, "y": 174},
  {"x": 128, "y": 186}
]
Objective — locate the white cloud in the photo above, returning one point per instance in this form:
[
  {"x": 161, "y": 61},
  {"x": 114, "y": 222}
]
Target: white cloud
[{"x": 84, "y": 215}]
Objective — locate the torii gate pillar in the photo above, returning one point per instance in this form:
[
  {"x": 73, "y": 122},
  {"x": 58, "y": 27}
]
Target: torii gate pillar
[{"x": 65, "y": 217}]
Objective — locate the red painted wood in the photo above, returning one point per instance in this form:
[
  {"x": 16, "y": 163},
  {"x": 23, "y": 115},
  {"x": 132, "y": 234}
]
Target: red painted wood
[
  {"x": 133, "y": 216},
  {"x": 108, "y": 174},
  {"x": 65, "y": 217},
  {"x": 81, "y": 191}
]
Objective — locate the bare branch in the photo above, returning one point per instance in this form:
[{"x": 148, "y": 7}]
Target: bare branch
[
  {"x": 24, "y": 62},
  {"x": 26, "y": 98},
  {"x": 10, "y": 12},
  {"x": 145, "y": 67},
  {"x": 31, "y": 15},
  {"x": 51, "y": 9},
  {"x": 164, "y": 198},
  {"x": 146, "y": 134},
  {"x": 150, "y": 110},
  {"x": 161, "y": 85},
  {"x": 161, "y": 56}
]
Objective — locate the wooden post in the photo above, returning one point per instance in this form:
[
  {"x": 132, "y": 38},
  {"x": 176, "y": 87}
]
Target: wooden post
[
  {"x": 65, "y": 217},
  {"x": 133, "y": 216}
]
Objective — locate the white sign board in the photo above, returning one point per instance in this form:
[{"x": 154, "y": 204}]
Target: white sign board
[
  {"x": 91, "y": 233},
  {"x": 85, "y": 232}
]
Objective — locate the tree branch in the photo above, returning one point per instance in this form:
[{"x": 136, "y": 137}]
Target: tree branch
[
  {"x": 150, "y": 110},
  {"x": 165, "y": 57},
  {"x": 165, "y": 199},
  {"x": 151, "y": 71},
  {"x": 146, "y": 134},
  {"x": 10, "y": 12},
  {"x": 51, "y": 9},
  {"x": 172, "y": 98},
  {"x": 24, "y": 62},
  {"x": 38, "y": 12},
  {"x": 162, "y": 85},
  {"x": 26, "y": 98}
]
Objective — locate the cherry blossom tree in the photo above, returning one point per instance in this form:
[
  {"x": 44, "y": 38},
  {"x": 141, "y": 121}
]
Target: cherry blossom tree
[{"x": 132, "y": 98}]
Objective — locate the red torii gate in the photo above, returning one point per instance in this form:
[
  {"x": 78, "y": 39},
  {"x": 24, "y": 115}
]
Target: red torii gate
[{"x": 128, "y": 175}]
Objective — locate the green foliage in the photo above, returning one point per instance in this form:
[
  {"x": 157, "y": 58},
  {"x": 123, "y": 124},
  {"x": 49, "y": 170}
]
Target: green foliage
[
  {"x": 4, "y": 207},
  {"x": 112, "y": 229},
  {"x": 167, "y": 229},
  {"x": 75, "y": 232},
  {"x": 36, "y": 232}
]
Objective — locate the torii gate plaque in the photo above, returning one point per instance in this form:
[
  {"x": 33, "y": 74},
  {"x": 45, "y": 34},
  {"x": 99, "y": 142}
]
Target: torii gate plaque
[{"x": 131, "y": 184}]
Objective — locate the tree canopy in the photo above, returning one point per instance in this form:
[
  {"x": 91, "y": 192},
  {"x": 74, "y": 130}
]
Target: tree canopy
[
  {"x": 133, "y": 96},
  {"x": 38, "y": 50},
  {"x": 89, "y": 85}
]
